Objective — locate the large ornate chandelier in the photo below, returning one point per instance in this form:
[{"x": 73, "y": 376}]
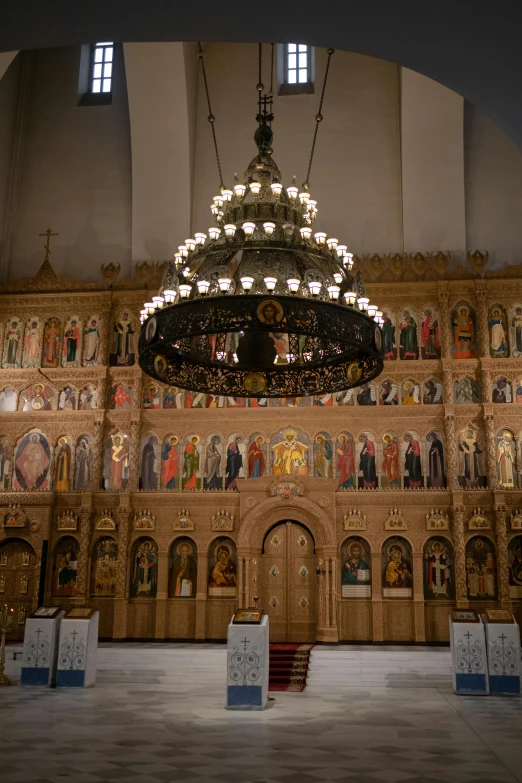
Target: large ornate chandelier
[{"x": 264, "y": 305}]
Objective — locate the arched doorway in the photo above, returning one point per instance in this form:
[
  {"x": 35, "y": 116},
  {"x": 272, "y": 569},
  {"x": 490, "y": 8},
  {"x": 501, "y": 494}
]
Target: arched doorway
[
  {"x": 288, "y": 582},
  {"x": 18, "y": 582}
]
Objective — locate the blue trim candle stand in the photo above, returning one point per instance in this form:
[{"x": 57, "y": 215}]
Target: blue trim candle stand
[
  {"x": 468, "y": 653},
  {"x": 247, "y": 665},
  {"x": 503, "y": 646},
  {"x": 41, "y": 646},
  {"x": 77, "y": 649}
]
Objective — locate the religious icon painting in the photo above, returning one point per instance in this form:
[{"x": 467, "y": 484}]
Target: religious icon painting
[
  {"x": 436, "y": 476},
  {"x": 87, "y": 398},
  {"x": 390, "y": 470},
  {"x": 150, "y": 463},
  {"x": 515, "y": 326},
  {"x": 52, "y": 338},
  {"x": 151, "y": 329},
  {"x": 290, "y": 452},
  {"x": 481, "y": 569},
  {"x": 38, "y": 397},
  {"x": 356, "y": 579},
  {"x": 397, "y": 571},
  {"x": 498, "y": 339},
  {"x": 172, "y": 397},
  {"x": 32, "y": 351},
  {"x": 160, "y": 365},
  {"x": 92, "y": 341},
  {"x": 213, "y": 463},
  {"x": 151, "y": 397},
  {"x": 119, "y": 397},
  {"x": 215, "y": 401},
  {"x": 464, "y": 327},
  {"x": 501, "y": 391},
  {"x": 388, "y": 394},
  {"x": 104, "y": 568},
  {"x": 233, "y": 402},
  {"x": 144, "y": 569},
  {"x": 32, "y": 462},
  {"x": 345, "y": 397},
  {"x": 345, "y": 460},
  {"x": 432, "y": 394},
  {"x": 439, "y": 570},
  {"x": 63, "y": 457},
  {"x": 8, "y": 399},
  {"x": 191, "y": 476},
  {"x": 323, "y": 455},
  {"x": 389, "y": 346},
  {"x": 408, "y": 343},
  {"x": 506, "y": 459},
  {"x": 236, "y": 467},
  {"x": 467, "y": 391},
  {"x": 472, "y": 458},
  {"x": 366, "y": 461},
  {"x": 183, "y": 568},
  {"x": 11, "y": 357},
  {"x": 366, "y": 394},
  {"x": 430, "y": 336},
  {"x": 257, "y": 455},
  {"x": 412, "y": 452},
  {"x": 411, "y": 393},
  {"x": 257, "y": 402},
  {"x": 116, "y": 462},
  {"x": 170, "y": 462},
  {"x": 515, "y": 567},
  {"x": 194, "y": 399},
  {"x": 5, "y": 462},
  {"x": 324, "y": 400},
  {"x": 222, "y": 564},
  {"x": 123, "y": 337},
  {"x": 65, "y": 570},
  {"x": 72, "y": 342},
  {"x": 68, "y": 399},
  {"x": 83, "y": 459}
]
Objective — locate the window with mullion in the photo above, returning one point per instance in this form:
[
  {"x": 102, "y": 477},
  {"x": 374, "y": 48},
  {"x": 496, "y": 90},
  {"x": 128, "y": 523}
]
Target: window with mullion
[
  {"x": 101, "y": 68},
  {"x": 297, "y": 71}
]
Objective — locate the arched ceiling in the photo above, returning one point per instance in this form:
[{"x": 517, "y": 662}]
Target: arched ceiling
[{"x": 471, "y": 46}]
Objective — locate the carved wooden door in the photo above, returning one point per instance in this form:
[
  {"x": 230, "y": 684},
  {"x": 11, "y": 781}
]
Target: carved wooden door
[
  {"x": 288, "y": 583},
  {"x": 17, "y": 583}
]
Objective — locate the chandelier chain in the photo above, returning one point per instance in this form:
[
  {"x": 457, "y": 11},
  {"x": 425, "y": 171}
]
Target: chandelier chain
[
  {"x": 211, "y": 118},
  {"x": 318, "y": 119}
]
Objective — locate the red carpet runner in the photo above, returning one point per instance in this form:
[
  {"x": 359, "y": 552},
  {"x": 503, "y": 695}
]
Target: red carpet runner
[{"x": 288, "y": 667}]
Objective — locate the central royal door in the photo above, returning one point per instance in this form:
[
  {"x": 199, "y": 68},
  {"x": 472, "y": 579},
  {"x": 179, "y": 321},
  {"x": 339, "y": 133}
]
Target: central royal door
[{"x": 288, "y": 587}]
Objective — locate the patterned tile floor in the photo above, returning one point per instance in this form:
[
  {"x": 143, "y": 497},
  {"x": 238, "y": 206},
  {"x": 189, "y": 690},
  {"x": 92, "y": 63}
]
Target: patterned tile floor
[{"x": 156, "y": 714}]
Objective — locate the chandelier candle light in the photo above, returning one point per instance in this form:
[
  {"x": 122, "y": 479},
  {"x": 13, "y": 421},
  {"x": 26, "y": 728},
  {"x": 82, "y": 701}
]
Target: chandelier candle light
[{"x": 263, "y": 306}]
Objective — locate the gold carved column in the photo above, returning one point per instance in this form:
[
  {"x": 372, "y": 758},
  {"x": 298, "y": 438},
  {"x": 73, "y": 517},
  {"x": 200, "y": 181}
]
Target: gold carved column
[
  {"x": 482, "y": 339},
  {"x": 97, "y": 450},
  {"x": 83, "y": 582},
  {"x": 444, "y": 324},
  {"x": 491, "y": 450},
  {"x": 460, "y": 558},
  {"x": 451, "y": 462},
  {"x": 502, "y": 552},
  {"x": 418, "y": 597},
  {"x": 377, "y": 607},
  {"x": 201, "y": 596},
  {"x": 327, "y": 630},
  {"x": 123, "y": 517},
  {"x": 162, "y": 595},
  {"x": 134, "y": 458}
]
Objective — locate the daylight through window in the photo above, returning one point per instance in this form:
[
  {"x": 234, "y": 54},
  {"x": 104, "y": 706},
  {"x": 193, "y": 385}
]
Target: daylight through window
[
  {"x": 101, "y": 71},
  {"x": 297, "y": 63}
]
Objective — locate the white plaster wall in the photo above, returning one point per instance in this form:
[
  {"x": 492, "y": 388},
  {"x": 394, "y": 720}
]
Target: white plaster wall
[
  {"x": 493, "y": 177},
  {"x": 356, "y": 176},
  {"x": 76, "y": 176},
  {"x": 9, "y": 85},
  {"x": 432, "y": 135}
]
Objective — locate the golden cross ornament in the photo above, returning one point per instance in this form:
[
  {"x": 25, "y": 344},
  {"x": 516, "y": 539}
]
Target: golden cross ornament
[{"x": 49, "y": 233}]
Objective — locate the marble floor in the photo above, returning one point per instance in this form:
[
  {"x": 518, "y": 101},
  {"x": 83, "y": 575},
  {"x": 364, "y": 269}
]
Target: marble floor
[{"x": 369, "y": 715}]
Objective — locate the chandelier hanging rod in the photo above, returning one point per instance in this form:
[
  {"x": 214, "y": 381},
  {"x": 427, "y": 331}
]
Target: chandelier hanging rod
[
  {"x": 211, "y": 118},
  {"x": 318, "y": 119}
]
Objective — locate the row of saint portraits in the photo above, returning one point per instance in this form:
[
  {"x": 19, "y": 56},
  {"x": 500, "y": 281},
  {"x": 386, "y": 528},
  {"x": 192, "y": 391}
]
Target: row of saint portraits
[
  {"x": 368, "y": 461},
  {"x": 43, "y": 397},
  {"x": 356, "y": 568},
  {"x": 75, "y": 342}
]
